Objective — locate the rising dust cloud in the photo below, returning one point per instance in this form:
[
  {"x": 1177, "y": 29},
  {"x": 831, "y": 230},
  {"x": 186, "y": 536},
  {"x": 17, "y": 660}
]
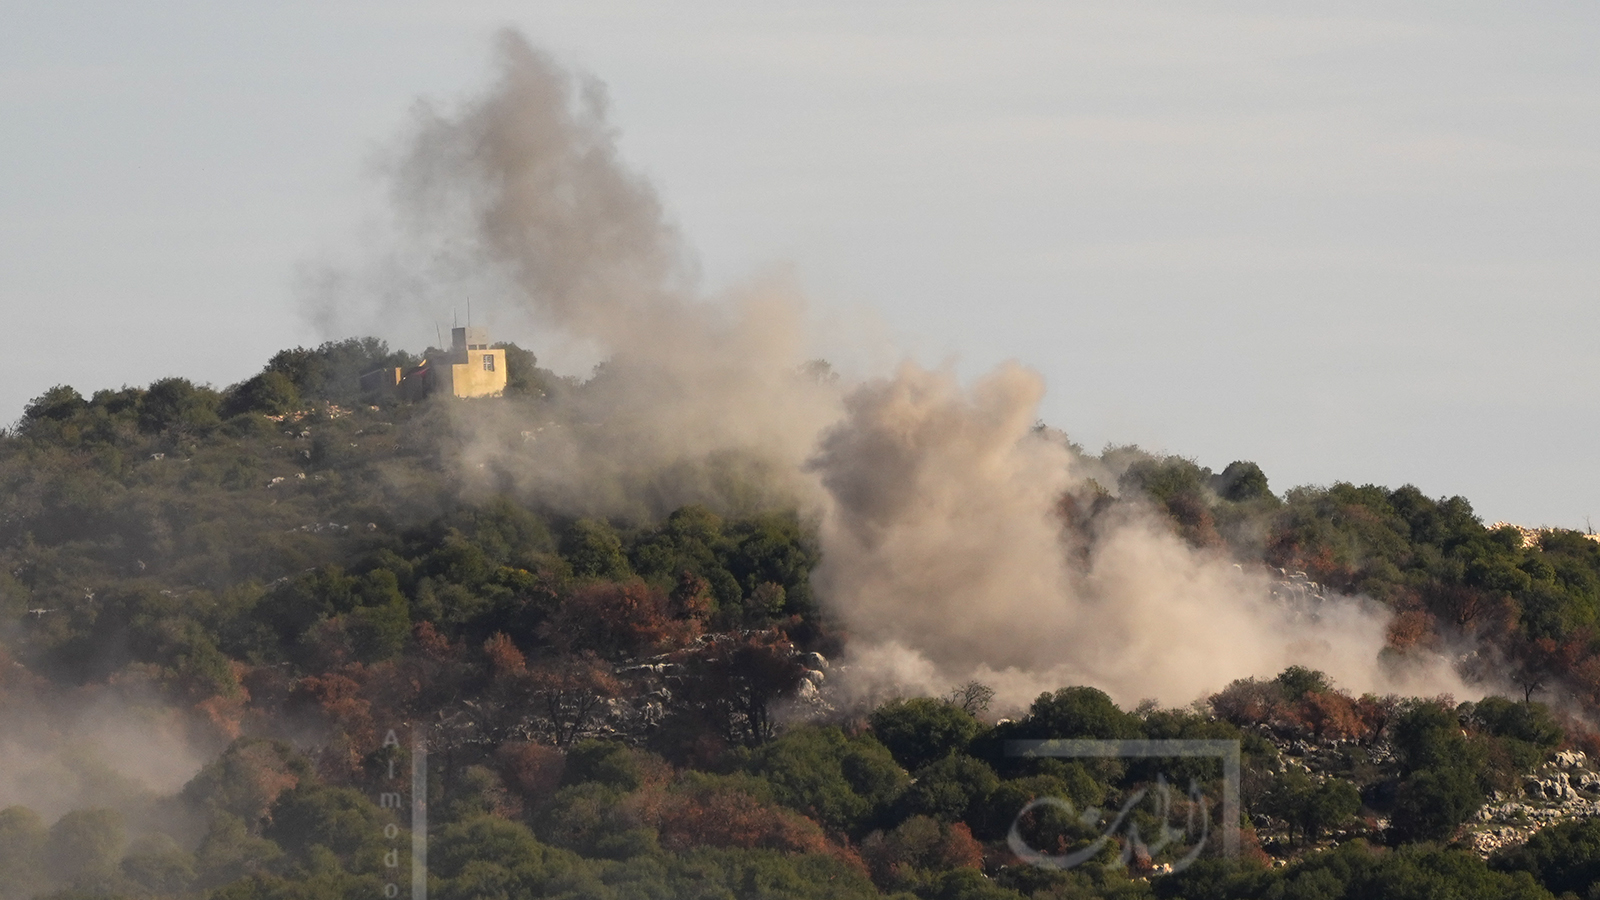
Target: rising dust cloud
[{"x": 943, "y": 554}]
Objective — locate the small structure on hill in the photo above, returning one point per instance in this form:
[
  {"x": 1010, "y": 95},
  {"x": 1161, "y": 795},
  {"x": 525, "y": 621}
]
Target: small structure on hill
[{"x": 470, "y": 368}]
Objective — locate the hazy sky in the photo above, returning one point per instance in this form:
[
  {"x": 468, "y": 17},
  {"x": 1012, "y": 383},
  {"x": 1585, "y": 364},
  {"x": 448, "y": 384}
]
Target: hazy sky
[{"x": 1353, "y": 245}]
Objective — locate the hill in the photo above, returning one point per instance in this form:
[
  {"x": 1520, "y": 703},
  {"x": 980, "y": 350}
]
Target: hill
[{"x": 219, "y": 604}]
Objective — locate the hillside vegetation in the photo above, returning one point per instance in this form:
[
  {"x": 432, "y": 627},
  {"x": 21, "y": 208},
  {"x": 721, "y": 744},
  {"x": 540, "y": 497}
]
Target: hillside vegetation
[{"x": 283, "y": 572}]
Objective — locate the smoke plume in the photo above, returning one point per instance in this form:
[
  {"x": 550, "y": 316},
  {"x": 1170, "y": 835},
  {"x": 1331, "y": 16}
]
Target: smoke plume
[{"x": 944, "y": 554}]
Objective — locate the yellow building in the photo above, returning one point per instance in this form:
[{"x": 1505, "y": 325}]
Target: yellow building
[{"x": 470, "y": 368}]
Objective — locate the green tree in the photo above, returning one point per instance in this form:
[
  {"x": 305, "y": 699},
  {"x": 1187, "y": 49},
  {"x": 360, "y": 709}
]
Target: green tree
[
  {"x": 1432, "y": 803},
  {"x": 1297, "y": 681},
  {"x": 270, "y": 392},
  {"x": 58, "y": 404},
  {"x": 524, "y": 378},
  {"x": 1309, "y": 806},
  {"x": 1079, "y": 712},
  {"x": 84, "y": 846},
  {"x": 920, "y": 730},
  {"x": 1241, "y": 482},
  {"x": 1565, "y": 858},
  {"x": 177, "y": 405},
  {"x": 846, "y": 783},
  {"x": 951, "y": 789},
  {"x": 595, "y": 550}
]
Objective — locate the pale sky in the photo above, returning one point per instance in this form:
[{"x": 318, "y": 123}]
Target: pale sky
[{"x": 1348, "y": 242}]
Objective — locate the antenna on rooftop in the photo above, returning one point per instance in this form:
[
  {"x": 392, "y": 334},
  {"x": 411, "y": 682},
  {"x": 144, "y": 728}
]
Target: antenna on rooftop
[
  {"x": 469, "y": 311},
  {"x": 438, "y": 334}
]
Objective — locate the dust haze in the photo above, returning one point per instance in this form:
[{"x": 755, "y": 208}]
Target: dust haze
[{"x": 944, "y": 556}]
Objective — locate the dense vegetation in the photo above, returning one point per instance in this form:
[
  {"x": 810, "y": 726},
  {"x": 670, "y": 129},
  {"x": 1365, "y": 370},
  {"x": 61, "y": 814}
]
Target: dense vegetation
[{"x": 303, "y": 570}]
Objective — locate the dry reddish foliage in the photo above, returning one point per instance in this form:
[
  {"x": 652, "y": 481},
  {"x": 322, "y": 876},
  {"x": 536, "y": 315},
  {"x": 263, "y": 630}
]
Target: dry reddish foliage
[
  {"x": 617, "y": 620},
  {"x": 916, "y": 847},
  {"x": 571, "y": 689},
  {"x": 1412, "y": 628},
  {"x": 505, "y": 660},
  {"x": 1248, "y": 702},
  {"x": 431, "y": 642},
  {"x": 1194, "y": 520},
  {"x": 1374, "y": 712},
  {"x": 337, "y": 698},
  {"x": 1330, "y": 715},
  {"x": 532, "y": 770},
  {"x": 733, "y": 682},
  {"x": 691, "y": 597},
  {"x": 711, "y": 815}
]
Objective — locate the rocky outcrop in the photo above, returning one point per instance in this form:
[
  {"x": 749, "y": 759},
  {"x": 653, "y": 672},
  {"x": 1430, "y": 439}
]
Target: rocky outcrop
[{"x": 1564, "y": 789}]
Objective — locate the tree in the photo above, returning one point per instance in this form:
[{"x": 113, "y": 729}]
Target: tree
[
  {"x": 1428, "y": 736},
  {"x": 177, "y": 405},
  {"x": 1079, "y": 712},
  {"x": 1309, "y": 806},
  {"x": 730, "y": 684},
  {"x": 617, "y": 620},
  {"x": 846, "y": 783},
  {"x": 972, "y": 697},
  {"x": 920, "y": 730},
  {"x": 1527, "y": 721},
  {"x": 595, "y": 550},
  {"x": 571, "y": 689},
  {"x": 85, "y": 846},
  {"x": 915, "y": 852},
  {"x": 1565, "y": 858},
  {"x": 246, "y": 779},
  {"x": 1432, "y": 803},
  {"x": 1241, "y": 482},
  {"x": 1297, "y": 681},
  {"x": 342, "y": 821},
  {"x": 524, "y": 378},
  {"x": 951, "y": 789},
  {"x": 729, "y": 811},
  {"x": 1247, "y": 701},
  {"x": 58, "y": 404},
  {"x": 269, "y": 392}
]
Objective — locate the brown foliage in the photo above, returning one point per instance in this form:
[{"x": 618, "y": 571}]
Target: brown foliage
[
  {"x": 618, "y": 620},
  {"x": 1248, "y": 702},
  {"x": 1412, "y": 628},
  {"x": 532, "y": 770},
  {"x": 1374, "y": 713},
  {"x": 905, "y": 857},
  {"x": 571, "y": 689},
  {"x": 731, "y": 684},
  {"x": 691, "y": 597},
  {"x": 505, "y": 660},
  {"x": 1194, "y": 520},
  {"x": 1330, "y": 715},
  {"x": 718, "y": 815},
  {"x": 336, "y": 697}
]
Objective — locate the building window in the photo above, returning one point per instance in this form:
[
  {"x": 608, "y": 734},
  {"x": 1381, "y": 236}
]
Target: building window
[{"x": 488, "y": 362}]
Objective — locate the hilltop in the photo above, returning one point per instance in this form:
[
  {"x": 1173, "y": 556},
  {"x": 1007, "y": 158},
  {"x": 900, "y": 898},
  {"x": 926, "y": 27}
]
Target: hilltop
[{"x": 643, "y": 698}]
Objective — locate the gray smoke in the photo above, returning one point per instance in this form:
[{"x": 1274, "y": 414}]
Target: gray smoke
[
  {"x": 943, "y": 553},
  {"x": 946, "y": 555}
]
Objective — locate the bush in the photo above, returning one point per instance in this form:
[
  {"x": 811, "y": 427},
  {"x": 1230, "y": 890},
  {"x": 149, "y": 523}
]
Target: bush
[{"x": 920, "y": 730}]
